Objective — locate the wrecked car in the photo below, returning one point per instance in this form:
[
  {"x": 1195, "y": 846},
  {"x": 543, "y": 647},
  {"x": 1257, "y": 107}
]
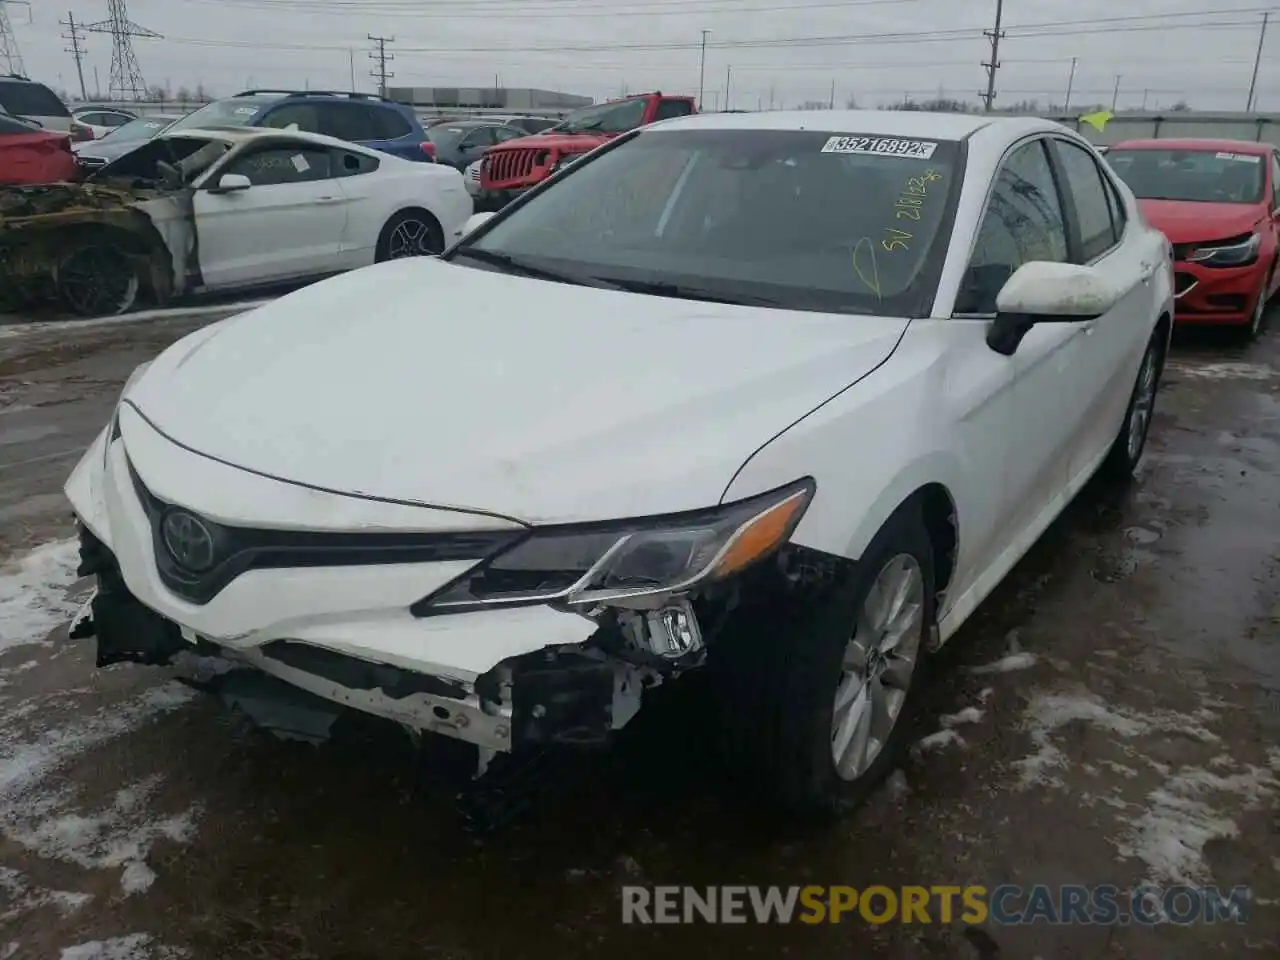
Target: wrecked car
[
  {"x": 202, "y": 211},
  {"x": 779, "y": 397}
]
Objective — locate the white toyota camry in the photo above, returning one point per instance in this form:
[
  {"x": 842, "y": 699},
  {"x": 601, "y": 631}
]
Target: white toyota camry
[{"x": 783, "y": 396}]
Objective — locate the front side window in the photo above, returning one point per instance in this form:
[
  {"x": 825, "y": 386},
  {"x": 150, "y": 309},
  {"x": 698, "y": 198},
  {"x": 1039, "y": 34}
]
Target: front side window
[
  {"x": 1089, "y": 198},
  {"x": 1275, "y": 182},
  {"x": 277, "y": 165},
  {"x": 1023, "y": 222},
  {"x": 804, "y": 220},
  {"x": 1194, "y": 176}
]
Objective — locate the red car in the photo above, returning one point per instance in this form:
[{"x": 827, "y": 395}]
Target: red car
[
  {"x": 1218, "y": 202},
  {"x": 30, "y": 155}
]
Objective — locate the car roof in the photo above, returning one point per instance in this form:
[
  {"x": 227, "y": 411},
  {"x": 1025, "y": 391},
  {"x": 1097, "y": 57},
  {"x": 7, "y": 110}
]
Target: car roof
[
  {"x": 894, "y": 123},
  {"x": 1235, "y": 146}
]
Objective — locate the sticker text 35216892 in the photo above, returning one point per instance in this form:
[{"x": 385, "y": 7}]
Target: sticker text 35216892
[{"x": 882, "y": 146}]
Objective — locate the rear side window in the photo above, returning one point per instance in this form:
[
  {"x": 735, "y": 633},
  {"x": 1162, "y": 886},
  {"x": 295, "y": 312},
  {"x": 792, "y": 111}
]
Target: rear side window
[
  {"x": 31, "y": 100},
  {"x": 389, "y": 124},
  {"x": 673, "y": 108},
  {"x": 276, "y": 165},
  {"x": 1089, "y": 196},
  {"x": 347, "y": 164},
  {"x": 348, "y": 121},
  {"x": 302, "y": 116}
]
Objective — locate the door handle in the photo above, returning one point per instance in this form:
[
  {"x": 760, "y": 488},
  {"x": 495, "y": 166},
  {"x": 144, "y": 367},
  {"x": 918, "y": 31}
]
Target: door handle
[{"x": 328, "y": 199}]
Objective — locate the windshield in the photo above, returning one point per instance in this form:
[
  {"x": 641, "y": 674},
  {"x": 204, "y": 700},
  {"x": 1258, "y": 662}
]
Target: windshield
[
  {"x": 223, "y": 113},
  {"x": 144, "y": 128},
  {"x": 605, "y": 118},
  {"x": 799, "y": 219},
  {"x": 1198, "y": 176}
]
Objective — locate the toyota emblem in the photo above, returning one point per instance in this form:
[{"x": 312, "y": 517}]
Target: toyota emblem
[{"x": 188, "y": 540}]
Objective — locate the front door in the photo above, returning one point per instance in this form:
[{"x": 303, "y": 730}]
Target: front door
[
  {"x": 290, "y": 222},
  {"x": 1024, "y": 221}
]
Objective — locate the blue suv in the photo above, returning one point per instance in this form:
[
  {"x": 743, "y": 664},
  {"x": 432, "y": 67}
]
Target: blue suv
[{"x": 362, "y": 118}]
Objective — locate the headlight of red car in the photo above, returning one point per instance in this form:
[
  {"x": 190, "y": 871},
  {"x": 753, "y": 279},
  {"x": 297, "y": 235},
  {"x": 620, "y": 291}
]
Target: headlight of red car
[{"x": 1235, "y": 252}]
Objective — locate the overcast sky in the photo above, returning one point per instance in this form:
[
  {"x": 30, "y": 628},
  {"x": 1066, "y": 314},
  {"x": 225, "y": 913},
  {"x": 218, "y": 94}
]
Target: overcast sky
[{"x": 789, "y": 51}]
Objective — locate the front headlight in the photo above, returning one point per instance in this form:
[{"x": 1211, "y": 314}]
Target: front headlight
[
  {"x": 1236, "y": 252},
  {"x": 593, "y": 563}
]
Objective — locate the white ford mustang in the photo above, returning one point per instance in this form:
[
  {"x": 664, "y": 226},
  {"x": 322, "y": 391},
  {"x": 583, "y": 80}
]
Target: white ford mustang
[
  {"x": 783, "y": 396},
  {"x": 242, "y": 207}
]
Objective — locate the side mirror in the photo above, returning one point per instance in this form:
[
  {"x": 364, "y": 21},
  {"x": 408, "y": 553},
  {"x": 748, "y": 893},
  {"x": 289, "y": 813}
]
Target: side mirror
[
  {"x": 232, "y": 183},
  {"x": 1046, "y": 292},
  {"x": 475, "y": 221}
]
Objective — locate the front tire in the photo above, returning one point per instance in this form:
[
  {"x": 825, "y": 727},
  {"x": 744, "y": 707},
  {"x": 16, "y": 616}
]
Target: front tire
[
  {"x": 1127, "y": 449},
  {"x": 817, "y": 700},
  {"x": 96, "y": 280}
]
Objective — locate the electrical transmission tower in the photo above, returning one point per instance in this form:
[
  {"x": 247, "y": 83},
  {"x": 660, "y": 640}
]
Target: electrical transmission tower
[
  {"x": 10, "y": 58},
  {"x": 126, "y": 81},
  {"x": 994, "y": 36},
  {"x": 382, "y": 58},
  {"x": 74, "y": 36}
]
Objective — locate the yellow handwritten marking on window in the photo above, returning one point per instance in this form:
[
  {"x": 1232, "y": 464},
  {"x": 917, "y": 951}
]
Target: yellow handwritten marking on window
[
  {"x": 907, "y": 206},
  {"x": 867, "y": 269}
]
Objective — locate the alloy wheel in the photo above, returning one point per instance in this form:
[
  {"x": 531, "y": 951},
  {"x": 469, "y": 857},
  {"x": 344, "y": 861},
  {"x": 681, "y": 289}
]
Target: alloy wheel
[
  {"x": 411, "y": 238},
  {"x": 1144, "y": 401},
  {"x": 879, "y": 662},
  {"x": 97, "y": 281}
]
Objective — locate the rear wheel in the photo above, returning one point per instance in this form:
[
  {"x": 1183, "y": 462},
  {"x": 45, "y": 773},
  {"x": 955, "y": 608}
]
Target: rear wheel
[
  {"x": 1126, "y": 452},
  {"x": 816, "y": 701},
  {"x": 410, "y": 233}
]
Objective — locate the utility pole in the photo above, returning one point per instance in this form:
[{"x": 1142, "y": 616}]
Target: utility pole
[
  {"x": 728, "y": 79},
  {"x": 772, "y": 90},
  {"x": 994, "y": 35},
  {"x": 702, "y": 68},
  {"x": 1257, "y": 62},
  {"x": 1071, "y": 82},
  {"x": 832, "y": 104},
  {"x": 382, "y": 58},
  {"x": 1115, "y": 96},
  {"x": 10, "y": 58},
  {"x": 1145, "y": 93},
  {"x": 97, "y": 85},
  {"x": 126, "y": 81},
  {"x": 73, "y": 36},
  {"x": 351, "y": 63}
]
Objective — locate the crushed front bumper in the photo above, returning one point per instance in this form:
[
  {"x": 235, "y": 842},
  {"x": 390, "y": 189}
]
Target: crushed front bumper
[{"x": 498, "y": 679}]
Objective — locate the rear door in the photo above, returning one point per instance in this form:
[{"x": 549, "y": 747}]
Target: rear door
[
  {"x": 289, "y": 223},
  {"x": 1109, "y": 349}
]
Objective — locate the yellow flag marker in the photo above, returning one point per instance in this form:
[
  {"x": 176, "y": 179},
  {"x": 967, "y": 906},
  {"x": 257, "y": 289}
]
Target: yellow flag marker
[{"x": 1097, "y": 120}]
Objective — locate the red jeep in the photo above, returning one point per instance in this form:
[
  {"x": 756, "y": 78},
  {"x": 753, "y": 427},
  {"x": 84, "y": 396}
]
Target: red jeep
[{"x": 513, "y": 167}]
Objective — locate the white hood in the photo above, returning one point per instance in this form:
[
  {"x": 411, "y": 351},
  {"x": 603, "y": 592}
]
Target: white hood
[{"x": 430, "y": 383}]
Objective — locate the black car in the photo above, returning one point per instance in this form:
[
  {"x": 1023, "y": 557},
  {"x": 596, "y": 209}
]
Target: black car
[{"x": 464, "y": 142}]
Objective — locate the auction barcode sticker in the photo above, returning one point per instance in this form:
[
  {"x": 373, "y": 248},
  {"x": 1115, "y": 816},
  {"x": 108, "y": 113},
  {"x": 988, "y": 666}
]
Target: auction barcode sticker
[
  {"x": 1245, "y": 157},
  {"x": 882, "y": 146}
]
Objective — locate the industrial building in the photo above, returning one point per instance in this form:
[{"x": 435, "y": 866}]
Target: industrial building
[{"x": 478, "y": 99}]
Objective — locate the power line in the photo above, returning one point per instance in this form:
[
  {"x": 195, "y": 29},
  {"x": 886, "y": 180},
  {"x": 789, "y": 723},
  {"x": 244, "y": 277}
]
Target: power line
[
  {"x": 9, "y": 54},
  {"x": 126, "y": 76},
  {"x": 383, "y": 58},
  {"x": 488, "y": 9},
  {"x": 994, "y": 35},
  {"x": 73, "y": 36}
]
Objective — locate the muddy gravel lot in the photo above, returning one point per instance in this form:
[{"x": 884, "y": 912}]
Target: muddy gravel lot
[{"x": 1110, "y": 716}]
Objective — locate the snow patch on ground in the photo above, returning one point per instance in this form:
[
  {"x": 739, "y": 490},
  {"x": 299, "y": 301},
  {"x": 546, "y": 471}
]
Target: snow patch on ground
[
  {"x": 967, "y": 715},
  {"x": 136, "y": 946},
  {"x": 1009, "y": 664},
  {"x": 1049, "y": 712},
  {"x": 120, "y": 835},
  {"x": 33, "y": 593},
  {"x": 941, "y": 739},
  {"x": 1170, "y": 834},
  {"x": 21, "y": 897}
]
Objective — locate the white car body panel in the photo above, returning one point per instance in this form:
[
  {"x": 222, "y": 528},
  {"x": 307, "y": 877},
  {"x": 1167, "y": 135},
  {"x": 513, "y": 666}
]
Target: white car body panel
[
  {"x": 510, "y": 400},
  {"x": 557, "y": 403}
]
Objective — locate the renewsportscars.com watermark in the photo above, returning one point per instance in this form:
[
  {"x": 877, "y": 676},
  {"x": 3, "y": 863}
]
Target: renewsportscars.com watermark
[{"x": 1006, "y": 904}]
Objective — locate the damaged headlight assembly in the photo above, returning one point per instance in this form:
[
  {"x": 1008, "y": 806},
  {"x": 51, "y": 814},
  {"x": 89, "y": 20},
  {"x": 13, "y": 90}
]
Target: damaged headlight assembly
[{"x": 633, "y": 563}]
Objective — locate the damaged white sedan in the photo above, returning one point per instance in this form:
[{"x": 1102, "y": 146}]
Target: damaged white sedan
[
  {"x": 781, "y": 396},
  {"x": 211, "y": 211}
]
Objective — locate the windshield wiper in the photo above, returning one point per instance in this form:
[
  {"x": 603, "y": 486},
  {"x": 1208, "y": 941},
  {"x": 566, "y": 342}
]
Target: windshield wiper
[
  {"x": 530, "y": 270},
  {"x": 662, "y": 288}
]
